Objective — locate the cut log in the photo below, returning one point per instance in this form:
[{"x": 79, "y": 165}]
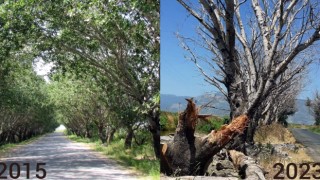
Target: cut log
[
  {"x": 188, "y": 155},
  {"x": 248, "y": 165}
]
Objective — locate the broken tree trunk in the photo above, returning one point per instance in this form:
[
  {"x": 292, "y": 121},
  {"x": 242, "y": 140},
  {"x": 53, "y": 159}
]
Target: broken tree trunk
[
  {"x": 189, "y": 155},
  {"x": 248, "y": 165}
]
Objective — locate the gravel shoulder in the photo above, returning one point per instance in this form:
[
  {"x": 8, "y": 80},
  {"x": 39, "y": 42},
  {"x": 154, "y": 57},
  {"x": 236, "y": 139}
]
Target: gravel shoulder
[
  {"x": 64, "y": 159},
  {"x": 310, "y": 140}
]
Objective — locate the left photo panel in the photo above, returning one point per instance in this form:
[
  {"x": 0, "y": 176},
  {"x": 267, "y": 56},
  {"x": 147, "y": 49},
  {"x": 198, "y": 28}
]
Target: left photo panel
[{"x": 79, "y": 89}]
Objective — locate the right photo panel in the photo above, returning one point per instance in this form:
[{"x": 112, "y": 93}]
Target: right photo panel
[{"x": 239, "y": 94}]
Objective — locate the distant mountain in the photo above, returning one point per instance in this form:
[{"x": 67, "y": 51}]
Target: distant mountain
[{"x": 173, "y": 103}]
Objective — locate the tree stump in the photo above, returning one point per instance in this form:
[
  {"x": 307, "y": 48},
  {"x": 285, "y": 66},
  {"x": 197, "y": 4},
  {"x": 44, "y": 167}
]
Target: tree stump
[{"x": 189, "y": 155}]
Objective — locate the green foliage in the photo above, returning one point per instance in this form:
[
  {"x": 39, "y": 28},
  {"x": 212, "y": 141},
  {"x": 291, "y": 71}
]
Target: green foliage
[
  {"x": 8, "y": 147},
  {"x": 315, "y": 129},
  {"x": 226, "y": 119},
  {"x": 316, "y": 109},
  {"x": 214, "y": 123},
  {"x": 168, "y": 121},
  {"x": 25, "y": 110},
  {"x": 106, "y": 57},
  {"x": 163, "y": 122}
]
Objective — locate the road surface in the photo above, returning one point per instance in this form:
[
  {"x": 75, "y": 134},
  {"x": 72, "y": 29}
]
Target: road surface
[
  {"x": 64, "y": 160},
  {"x": 310, "y": 140}
]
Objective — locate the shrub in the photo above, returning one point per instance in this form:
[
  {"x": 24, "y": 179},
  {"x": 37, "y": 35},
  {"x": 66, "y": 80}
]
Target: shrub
[
  {"x": 168, "y": 120},
  {"x": 214, "y": 123},
  {"x": 163, "y": 122}
]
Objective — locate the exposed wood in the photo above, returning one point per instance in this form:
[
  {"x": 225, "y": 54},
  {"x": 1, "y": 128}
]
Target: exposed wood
[
  {"x": 248, "y": 165},
  {"x": 187, "y": 154}
]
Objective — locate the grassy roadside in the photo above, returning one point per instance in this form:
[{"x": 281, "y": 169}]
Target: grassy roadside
[
  {"x": 140, "y": 158},
  {"x": 313, "y": 128},
  {"x": 8, "y": 147},
  {"x": 277, "y": 134}
]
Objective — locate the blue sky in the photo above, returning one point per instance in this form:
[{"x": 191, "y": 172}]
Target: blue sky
[{"x": 180, "y": 76}]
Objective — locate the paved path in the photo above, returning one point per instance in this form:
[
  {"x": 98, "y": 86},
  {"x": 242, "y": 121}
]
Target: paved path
[
  {"x": 310, "y": 140},
  {"x": 64, "y": 160}
]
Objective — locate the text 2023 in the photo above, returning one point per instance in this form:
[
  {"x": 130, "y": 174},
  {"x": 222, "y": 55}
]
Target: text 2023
[
  {"x": 14, "y": 169},
  {"x": 292, "y": 169}
]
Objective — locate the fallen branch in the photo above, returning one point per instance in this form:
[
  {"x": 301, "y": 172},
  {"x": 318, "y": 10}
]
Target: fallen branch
[
  {"x": 188, "y": 155},
  {"x": 248, "y": 165}
]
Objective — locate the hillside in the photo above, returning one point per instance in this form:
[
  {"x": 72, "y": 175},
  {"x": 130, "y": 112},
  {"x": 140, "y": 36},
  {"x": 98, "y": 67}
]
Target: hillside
[{"x": 173, "y": 103}]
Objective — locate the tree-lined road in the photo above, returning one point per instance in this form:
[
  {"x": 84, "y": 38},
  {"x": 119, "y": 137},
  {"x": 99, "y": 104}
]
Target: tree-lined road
[
  {"x": 65, "y": 160},
  {"x": 310, "y": 140}
]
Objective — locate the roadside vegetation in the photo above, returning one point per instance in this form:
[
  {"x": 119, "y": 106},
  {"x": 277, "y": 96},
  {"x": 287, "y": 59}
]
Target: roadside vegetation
[
  {"x": 273, "y": 134},
  {"x": 104, "y": 73},
  {"x": 9, "y": 146},
  {"x": 313, "y": 128},
  {"x": 169, "y": 122},
  {"x": 140, "y": 157},
  {"x": 25, "y": 109}
]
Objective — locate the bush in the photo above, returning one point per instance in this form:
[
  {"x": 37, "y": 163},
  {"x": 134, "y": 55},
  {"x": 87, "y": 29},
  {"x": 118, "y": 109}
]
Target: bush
[
  {"x": 226, "y": 119},
  {"x": 168, "y": 121},
  {"x": 315, "y": 129},
  {"x": 273, "y": 133},
  {"x": 214, "y": 123},
  {"x": 163, "y": 122}
]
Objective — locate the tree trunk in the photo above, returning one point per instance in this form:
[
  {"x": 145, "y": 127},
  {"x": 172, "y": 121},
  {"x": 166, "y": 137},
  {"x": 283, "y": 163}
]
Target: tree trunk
[
  {"x": 102, "y": 134},
  {"x": 247, "y": 137},
  {"x": 187, "y": 154},
  {"x": 154, "y": 128},
  {"x": 128, "y": 140},
  {"x": 111, "y": 135}
]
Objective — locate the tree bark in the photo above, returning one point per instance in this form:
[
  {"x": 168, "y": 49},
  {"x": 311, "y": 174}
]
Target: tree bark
[
  {"x": 248, "y": 165},
  {"x": 154, "y": 128},
  {"x": 111, "y": 135},
  {"x": 128, "y": 140},
  {"x": 187, "y": 154},
  {"x": 102, "y": 134}
]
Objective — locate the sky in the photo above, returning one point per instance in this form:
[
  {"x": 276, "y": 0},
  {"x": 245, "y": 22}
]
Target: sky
[
  {"x": 42, "y": 69},
  {"x": 179, "y": 76}
]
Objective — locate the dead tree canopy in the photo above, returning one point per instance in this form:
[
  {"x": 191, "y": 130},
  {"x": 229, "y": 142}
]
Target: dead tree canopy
[
  {"x": 189, "y": 155},
  {"x": 253, "y": 52}
]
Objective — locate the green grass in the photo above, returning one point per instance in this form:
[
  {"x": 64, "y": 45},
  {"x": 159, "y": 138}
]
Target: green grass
[
  {"x": 140, "y": 158},
  {"x": 315, "y": 129},
  {"x": 301, "y": 126},
  {"x": 7, "y": 147},
  {"x": 213, "y": 123},
  {"x": 168, "y": 120}
]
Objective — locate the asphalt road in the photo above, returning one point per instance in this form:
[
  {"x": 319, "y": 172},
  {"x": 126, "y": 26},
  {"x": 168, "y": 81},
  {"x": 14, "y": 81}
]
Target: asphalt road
[
  {"x": 63, "y": 159},
  {"x": 310, "y": 140}
]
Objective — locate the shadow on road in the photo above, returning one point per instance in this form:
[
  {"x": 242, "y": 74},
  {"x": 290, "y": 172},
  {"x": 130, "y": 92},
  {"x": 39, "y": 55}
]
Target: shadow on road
[{"x": 64, "y": 160}]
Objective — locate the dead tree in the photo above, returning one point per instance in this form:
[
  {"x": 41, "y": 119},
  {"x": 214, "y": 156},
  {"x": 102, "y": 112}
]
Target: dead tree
[
  {"x": 248, "y": 57},
  {"x": 189, "y": 155}
]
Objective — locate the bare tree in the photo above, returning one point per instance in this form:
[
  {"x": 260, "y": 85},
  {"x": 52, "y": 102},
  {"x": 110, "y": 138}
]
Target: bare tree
[{"x": 257, "y": 57}]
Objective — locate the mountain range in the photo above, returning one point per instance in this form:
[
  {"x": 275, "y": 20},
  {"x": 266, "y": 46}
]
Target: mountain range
[{"x": 220, "y": 107}]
